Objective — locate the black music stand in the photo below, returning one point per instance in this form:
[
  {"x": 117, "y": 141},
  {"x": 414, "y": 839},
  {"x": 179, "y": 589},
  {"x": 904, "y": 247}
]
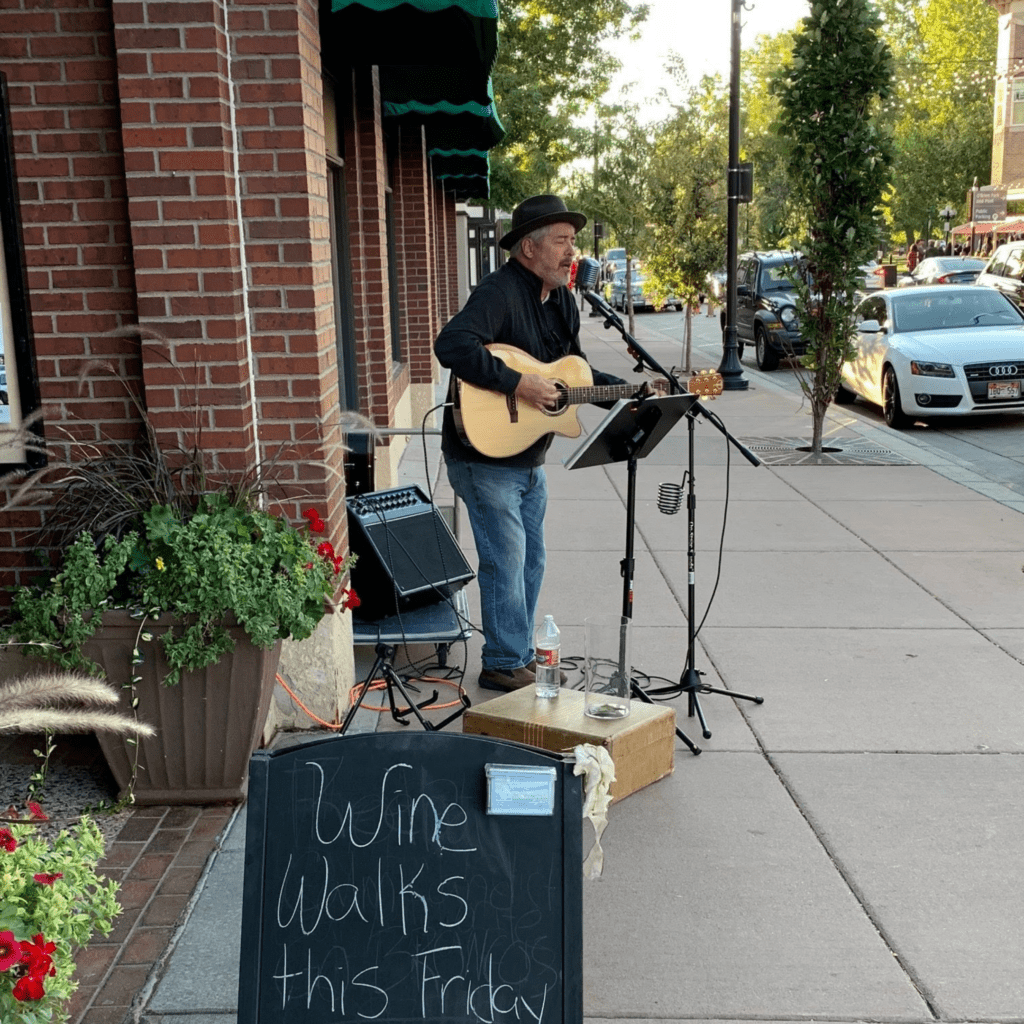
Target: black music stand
[{"x": 631, "y": 430}]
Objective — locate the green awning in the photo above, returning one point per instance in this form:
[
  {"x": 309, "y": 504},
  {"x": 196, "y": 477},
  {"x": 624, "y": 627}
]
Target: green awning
[
  {"x": 452, "y": 32},
  {"x": 450, "y": 126},
  {"x": 466, "y": 172}
]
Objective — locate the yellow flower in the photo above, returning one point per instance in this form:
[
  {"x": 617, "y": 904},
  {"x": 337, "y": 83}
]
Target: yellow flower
[{"x": 160, "y": 565}]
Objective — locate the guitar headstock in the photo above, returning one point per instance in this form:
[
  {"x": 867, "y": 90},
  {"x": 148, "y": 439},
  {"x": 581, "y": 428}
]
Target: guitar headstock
[{"x": 705, "y": 383}]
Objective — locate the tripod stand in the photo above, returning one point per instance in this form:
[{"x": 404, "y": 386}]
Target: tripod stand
[
  {"x": 689, "y": 682},
  {"x": 384, "y": 665},
  {"x": 631, "y": 430}
]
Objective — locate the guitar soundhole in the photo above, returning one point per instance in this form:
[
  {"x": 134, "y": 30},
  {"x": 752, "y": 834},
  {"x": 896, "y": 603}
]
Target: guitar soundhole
[{"x": 563, "y": 399}]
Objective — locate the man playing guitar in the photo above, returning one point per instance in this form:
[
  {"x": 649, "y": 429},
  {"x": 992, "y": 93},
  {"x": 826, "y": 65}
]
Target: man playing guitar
[{"x": 525, "y": 304}]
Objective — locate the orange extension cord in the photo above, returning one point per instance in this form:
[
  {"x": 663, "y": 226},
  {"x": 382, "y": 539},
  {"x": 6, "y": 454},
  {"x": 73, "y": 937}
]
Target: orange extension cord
[{"x": 376, "y": 684}]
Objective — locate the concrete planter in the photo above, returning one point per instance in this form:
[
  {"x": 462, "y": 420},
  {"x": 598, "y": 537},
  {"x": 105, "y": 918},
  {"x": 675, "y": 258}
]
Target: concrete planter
[{"x": 206, "y": 727}]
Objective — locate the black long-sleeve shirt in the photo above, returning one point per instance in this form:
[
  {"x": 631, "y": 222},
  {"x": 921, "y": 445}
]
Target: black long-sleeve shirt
[{"x": 505, "y": 307}]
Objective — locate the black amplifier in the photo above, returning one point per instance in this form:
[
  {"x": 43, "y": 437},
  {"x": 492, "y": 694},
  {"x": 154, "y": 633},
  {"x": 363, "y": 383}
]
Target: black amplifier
[{"x": 407, "y": 554}]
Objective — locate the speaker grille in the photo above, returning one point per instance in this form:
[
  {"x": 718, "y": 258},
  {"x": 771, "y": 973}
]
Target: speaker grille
[{"x": 407, "y": 554}]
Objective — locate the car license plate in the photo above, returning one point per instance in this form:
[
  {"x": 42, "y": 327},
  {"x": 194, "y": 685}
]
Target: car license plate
[{"x": 1001, "y": 390}]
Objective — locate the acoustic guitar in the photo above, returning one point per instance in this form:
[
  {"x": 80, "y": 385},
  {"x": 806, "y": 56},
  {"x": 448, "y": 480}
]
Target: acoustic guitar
[{"x": 500, "y": 426}]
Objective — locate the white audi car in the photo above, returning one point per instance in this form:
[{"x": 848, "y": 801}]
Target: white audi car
[{"x": 943, "y": 350}]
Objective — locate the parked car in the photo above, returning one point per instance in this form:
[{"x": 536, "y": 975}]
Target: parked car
[
  {"x": 939, "y": 350},
  {"x": 643, "y": 297},
  {"x": 766, "y": 306},
  {"x": 943, "y": 270},
  {"x": 614, "y": 261},
  {"x": 872, "y": 277},
  {"x": 1005, "y": 271}
]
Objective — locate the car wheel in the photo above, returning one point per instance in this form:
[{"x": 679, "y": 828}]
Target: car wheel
[
  {"x": 767, "y": 357},
  {"x": 892, "y": 406},
  {"x": 739, "y": 349},
  {"x": 845, "y": 397}
]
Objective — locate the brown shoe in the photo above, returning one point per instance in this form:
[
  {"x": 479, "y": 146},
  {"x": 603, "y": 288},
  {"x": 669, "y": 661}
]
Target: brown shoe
[
  {"x": 562, "y": 677},
  {"x": 507, "y": 679}
]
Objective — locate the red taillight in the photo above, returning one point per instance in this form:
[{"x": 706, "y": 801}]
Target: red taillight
[{"x": 945, "y": 279}]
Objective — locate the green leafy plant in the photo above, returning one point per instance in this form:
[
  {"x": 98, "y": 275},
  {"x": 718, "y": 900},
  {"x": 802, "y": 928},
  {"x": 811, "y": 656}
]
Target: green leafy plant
[
  {"x": 52, "y": 900},
  {"x": 275, "y": 578}
]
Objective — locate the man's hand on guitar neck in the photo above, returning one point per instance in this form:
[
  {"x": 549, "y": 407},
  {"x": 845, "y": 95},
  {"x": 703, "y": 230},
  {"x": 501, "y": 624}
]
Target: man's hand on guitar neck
[
  {"x": 537, "y": 391},
  {"x": 656, "y": 386}
]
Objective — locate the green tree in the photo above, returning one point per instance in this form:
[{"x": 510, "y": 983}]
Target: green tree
[
  {"x": 839, "y": 166},
  {"x": 773, "y": 216},
  {"x": 616, "y": 191},
  {"x": 552, "y": 66},
  {"x": 941, "y": 116},
  {"x": 686, "y": 238}
]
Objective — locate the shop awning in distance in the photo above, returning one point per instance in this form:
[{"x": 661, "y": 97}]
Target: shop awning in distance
[
  {"x": 467, "y": 173},
  {"x": 1010, "y": 226}
]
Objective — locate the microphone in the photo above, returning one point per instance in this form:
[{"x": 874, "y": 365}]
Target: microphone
[{"x": 588, "y": 270}]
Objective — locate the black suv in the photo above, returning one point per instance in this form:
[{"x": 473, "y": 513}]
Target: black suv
[{"x": 766, "y": 307}]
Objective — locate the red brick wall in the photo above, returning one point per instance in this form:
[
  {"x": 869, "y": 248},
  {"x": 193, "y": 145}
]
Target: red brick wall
[
  {"x": 129, "y": 118},
  {"x": 58, "y": 59},
  {"x": 123, "y": 126}
]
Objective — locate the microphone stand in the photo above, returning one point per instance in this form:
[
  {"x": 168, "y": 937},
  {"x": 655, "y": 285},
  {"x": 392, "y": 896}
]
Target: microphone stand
[{"x": 689, "y": 682}]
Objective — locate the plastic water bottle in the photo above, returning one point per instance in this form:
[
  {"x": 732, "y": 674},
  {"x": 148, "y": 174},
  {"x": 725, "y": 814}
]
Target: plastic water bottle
[{"x": 548, "y": 645}]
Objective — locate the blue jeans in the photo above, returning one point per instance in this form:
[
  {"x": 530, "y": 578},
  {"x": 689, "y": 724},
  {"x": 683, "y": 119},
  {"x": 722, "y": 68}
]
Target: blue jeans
[{"x": 506, "y": 509}]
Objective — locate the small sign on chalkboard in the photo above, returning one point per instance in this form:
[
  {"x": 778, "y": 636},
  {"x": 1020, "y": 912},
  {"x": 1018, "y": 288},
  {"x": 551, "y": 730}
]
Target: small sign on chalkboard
[
  {"x": 381, "y": 886},
  {"x": 520, "y": 789}
]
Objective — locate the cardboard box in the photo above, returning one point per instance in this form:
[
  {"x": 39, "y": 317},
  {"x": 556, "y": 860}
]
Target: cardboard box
[{"x": 642, "y": 744}]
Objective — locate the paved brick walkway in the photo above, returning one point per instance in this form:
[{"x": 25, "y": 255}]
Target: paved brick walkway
[{"x": 158, "y": 857}]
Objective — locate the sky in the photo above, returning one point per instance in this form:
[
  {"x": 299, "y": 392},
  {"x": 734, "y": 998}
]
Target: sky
[{"x": 700, "y": 31}]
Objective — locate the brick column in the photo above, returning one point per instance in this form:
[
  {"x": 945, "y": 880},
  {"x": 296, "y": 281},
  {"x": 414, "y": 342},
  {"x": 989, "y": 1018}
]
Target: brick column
[
  {"x": 415, "y": 243},
  {"x": 176, "y": 117},
  {"x": 365, "y": 142},
  {"x": 451, "y": 246}
]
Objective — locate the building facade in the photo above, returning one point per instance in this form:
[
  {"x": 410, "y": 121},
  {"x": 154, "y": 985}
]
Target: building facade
[{"x": 244, "y": 215}]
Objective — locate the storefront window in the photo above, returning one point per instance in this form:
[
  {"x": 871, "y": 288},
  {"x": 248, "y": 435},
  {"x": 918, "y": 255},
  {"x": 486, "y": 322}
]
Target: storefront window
[{"x": 19, "y": 389}]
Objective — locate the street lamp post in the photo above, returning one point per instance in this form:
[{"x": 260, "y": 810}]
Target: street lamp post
[
  {"x": 730, "y": 367},
  {"x": 947, "y": 213}
]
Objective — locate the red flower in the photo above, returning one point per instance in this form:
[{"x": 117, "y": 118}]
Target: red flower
[
  {"x": 326, "y": 550},
  {"x": 29, "y": 987},
  {"x": 7, "y": 840},
  {"x": 37, "y": 811},
  {"x": 349, "y": 599},
  {"x": 316, "y": 524},
  {"x": 37, "y": 955},
  {"x": 10, "y": 951},
  {"x": 47, "y": 879}
]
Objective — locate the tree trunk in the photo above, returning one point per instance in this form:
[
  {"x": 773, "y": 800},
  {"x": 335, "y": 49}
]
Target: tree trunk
[{"x": 688, "y": 340}]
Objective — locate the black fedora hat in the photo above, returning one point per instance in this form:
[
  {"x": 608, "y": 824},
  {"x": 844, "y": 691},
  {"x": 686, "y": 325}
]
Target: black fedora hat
[{"x": 537, "y": 211}]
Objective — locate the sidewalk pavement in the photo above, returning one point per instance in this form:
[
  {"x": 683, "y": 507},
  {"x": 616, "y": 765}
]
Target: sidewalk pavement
[{"x": 848, "y": 850}]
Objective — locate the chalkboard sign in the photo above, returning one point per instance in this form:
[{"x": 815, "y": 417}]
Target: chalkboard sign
[{"x": 378, "y": 887}]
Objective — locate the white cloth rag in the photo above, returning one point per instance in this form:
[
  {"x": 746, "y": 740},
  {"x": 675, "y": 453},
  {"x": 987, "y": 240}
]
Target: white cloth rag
[{"x": 595, "y": 764}]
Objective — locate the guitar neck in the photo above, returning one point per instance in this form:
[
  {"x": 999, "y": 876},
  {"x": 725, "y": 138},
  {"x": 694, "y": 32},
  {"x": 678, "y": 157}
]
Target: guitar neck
[{"x": 591, "y": 395}]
